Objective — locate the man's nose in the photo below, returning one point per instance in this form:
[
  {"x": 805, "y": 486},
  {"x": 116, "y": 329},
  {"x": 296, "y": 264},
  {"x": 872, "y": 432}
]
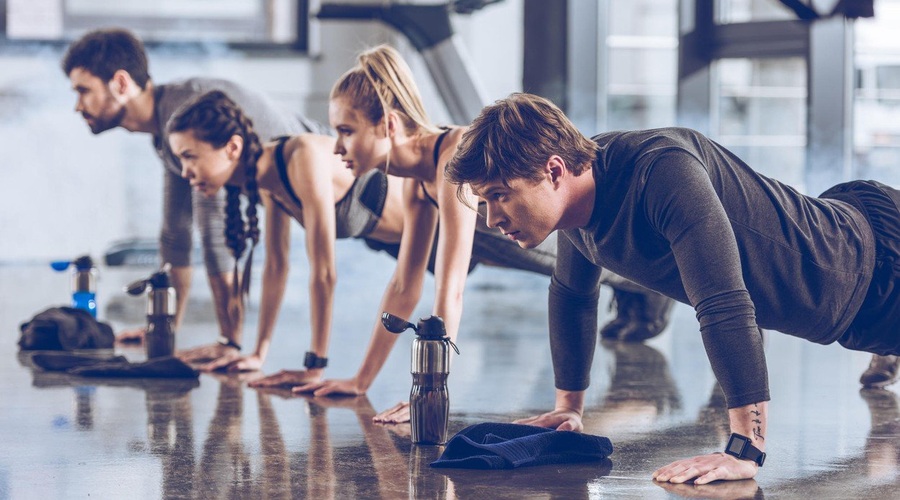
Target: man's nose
[{"x": 492, "y": 217}]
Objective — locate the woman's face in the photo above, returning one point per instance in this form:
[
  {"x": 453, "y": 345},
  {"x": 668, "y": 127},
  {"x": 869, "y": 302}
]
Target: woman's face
[
  {"x": 207, "y": 168},
  {"x": 361, "y": 144}
]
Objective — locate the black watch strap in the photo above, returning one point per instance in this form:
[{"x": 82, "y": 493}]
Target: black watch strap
[
  {"x": 227, "y": 342},
  {"x": 313, "y": 361},
  {"x": 741, "y": 447}
]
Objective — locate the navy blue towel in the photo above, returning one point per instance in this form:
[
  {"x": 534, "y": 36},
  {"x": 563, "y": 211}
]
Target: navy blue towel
[
  {"x": 507, "y": 446},
  {"x": 64, "y": 329},
  {"x": 118, "y": 366}
]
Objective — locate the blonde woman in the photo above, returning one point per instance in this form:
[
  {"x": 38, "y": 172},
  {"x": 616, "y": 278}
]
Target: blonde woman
[{"x": 381, "y": 124}]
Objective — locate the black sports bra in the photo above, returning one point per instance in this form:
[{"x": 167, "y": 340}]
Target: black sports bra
[
  {"x": 437, "y": 155},
  {"x": 358, "y": 211}
]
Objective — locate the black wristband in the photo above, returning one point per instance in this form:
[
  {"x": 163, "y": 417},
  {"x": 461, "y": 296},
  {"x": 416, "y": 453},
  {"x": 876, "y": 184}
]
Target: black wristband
[
  {"x": 742, "y": 448},
  {"x": 227, "y": 342},
  {"x": 313, "y": 361}
]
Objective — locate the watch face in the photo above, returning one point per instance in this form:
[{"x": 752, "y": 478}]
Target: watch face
[{"x": 736, "y": 445}]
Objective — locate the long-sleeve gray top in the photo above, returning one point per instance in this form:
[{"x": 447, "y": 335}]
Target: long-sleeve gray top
[{"x": 680, "y": 214}]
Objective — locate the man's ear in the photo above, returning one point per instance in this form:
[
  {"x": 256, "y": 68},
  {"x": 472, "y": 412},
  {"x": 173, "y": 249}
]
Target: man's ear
[
  {"x": 555, "y": 169},
  {"x": 120, "y": 83}
]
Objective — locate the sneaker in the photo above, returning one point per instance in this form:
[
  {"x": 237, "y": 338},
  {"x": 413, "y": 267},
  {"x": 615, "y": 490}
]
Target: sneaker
[
  {"x": 882, "y": 372},
  {"x": 639, "y": 316}
]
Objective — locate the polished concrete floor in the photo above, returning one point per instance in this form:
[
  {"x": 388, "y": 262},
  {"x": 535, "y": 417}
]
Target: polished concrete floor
[{"x": 69, "y": 437}]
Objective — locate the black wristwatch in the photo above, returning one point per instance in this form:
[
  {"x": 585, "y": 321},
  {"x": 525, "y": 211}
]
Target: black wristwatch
[
  {"x": 313, "y": 361},
  {"x": 227, "y": 342},
  {"x": 740, "y": 446}
]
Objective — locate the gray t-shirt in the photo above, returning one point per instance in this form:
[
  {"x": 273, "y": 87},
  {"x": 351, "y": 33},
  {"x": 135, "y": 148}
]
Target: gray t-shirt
[
  {"x": 268, "y": 121},
  {"x": 679, "y": 214}
]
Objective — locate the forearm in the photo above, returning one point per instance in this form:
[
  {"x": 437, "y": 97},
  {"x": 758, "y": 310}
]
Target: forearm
[
  {"x": 399, "y": 303},
  {"x": 751, "y": 421},
  {"x": 274, "y": 281},
  {"x": 181, "y": 281},
  {"x": 229, "y": 308},
  {"x": 573, "y": 335},
  {"x": 321, "y": 301},
  {"x": 448, "y": 305}
]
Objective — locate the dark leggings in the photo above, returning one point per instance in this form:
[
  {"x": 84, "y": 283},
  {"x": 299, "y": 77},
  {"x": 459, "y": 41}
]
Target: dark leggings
[{"x": 876, "y": 327}]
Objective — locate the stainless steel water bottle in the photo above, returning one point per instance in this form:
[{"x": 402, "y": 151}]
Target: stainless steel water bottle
[
  {"x": 84, "y": 282},
  {"x": 429, "y": 399},
  {"x": 161, "y": 308}
]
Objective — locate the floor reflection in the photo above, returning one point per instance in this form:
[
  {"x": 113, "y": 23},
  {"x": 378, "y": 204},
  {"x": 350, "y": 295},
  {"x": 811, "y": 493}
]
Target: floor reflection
[
  {"x": 733, "y": 490},
  {"x": 883, "y": 445},
  {"x": 69, "y": 436},
  {"x": 873, "y": 473}
]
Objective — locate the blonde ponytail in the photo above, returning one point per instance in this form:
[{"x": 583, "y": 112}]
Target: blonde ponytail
[{"x": 382, "y": 82}]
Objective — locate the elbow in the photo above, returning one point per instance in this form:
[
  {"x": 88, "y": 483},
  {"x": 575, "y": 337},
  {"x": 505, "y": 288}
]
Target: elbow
[
  {"x": 452, "y": 295},
  {"x": 324, "y": 278},
  {"x": 400, "y": 288},
  {"x": 277, "y": 267}
]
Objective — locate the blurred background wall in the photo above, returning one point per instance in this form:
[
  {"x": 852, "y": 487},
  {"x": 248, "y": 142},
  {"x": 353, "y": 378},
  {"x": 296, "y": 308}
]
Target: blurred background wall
[{"x": 67, "y": 192}]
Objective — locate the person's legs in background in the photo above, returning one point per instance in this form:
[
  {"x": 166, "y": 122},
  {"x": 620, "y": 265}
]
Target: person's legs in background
[{"x": 641, "y": 313}]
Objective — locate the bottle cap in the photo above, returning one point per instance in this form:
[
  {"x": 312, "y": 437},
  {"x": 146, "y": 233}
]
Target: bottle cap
[
  {"x": 83, "y": 263},
  {"x": 431, "y": 327},
  {"x": 160, "y": 279}
]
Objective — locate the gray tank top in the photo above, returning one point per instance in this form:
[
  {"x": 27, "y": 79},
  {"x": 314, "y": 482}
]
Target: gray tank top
[{"x": 358, "y": 212}]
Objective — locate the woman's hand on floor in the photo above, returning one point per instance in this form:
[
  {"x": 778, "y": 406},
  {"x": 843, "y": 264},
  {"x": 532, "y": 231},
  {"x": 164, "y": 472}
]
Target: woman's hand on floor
[
  {"x": 233, "y": 363},
  {"x": 288, "y": 378},
  {"x": 132, "y": 336},
  {"x": 347, "y": 387},
  {"x": 208, "y": 353},
  {"x": 397, "y": 414}
]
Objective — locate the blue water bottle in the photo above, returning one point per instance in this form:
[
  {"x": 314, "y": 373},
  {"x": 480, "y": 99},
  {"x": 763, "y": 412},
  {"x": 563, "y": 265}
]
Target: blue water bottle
[{"x": 84, "y": 282}]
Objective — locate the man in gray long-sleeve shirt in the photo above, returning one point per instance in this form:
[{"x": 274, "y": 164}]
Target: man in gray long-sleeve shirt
[
  {"x": 108, "y": 70},
  {"x": 673, "y": 211}
]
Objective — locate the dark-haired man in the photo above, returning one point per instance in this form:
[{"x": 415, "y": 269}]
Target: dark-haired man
[
  {"x": 108, "y": 69},
  {"x": 674, "y": 211}
]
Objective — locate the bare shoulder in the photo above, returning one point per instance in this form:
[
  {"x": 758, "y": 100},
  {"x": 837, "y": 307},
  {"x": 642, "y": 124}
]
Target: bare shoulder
[
  {"x": 306, "y": 145},
  {"x": 308, "y": 153},
  {"x": 454, "y": 137},
  {"x": 451, "y": 142}
]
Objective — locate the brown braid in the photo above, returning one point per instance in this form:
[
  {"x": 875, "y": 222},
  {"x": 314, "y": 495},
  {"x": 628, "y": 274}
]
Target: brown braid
[{"x": 214, "y": 118}]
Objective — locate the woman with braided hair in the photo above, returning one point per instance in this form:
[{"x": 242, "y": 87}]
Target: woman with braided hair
[{"x": 293, "y": 177}]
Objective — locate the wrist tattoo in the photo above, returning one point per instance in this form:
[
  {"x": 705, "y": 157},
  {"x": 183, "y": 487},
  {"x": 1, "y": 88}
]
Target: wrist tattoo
[{"x": 757, "y": 431}]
